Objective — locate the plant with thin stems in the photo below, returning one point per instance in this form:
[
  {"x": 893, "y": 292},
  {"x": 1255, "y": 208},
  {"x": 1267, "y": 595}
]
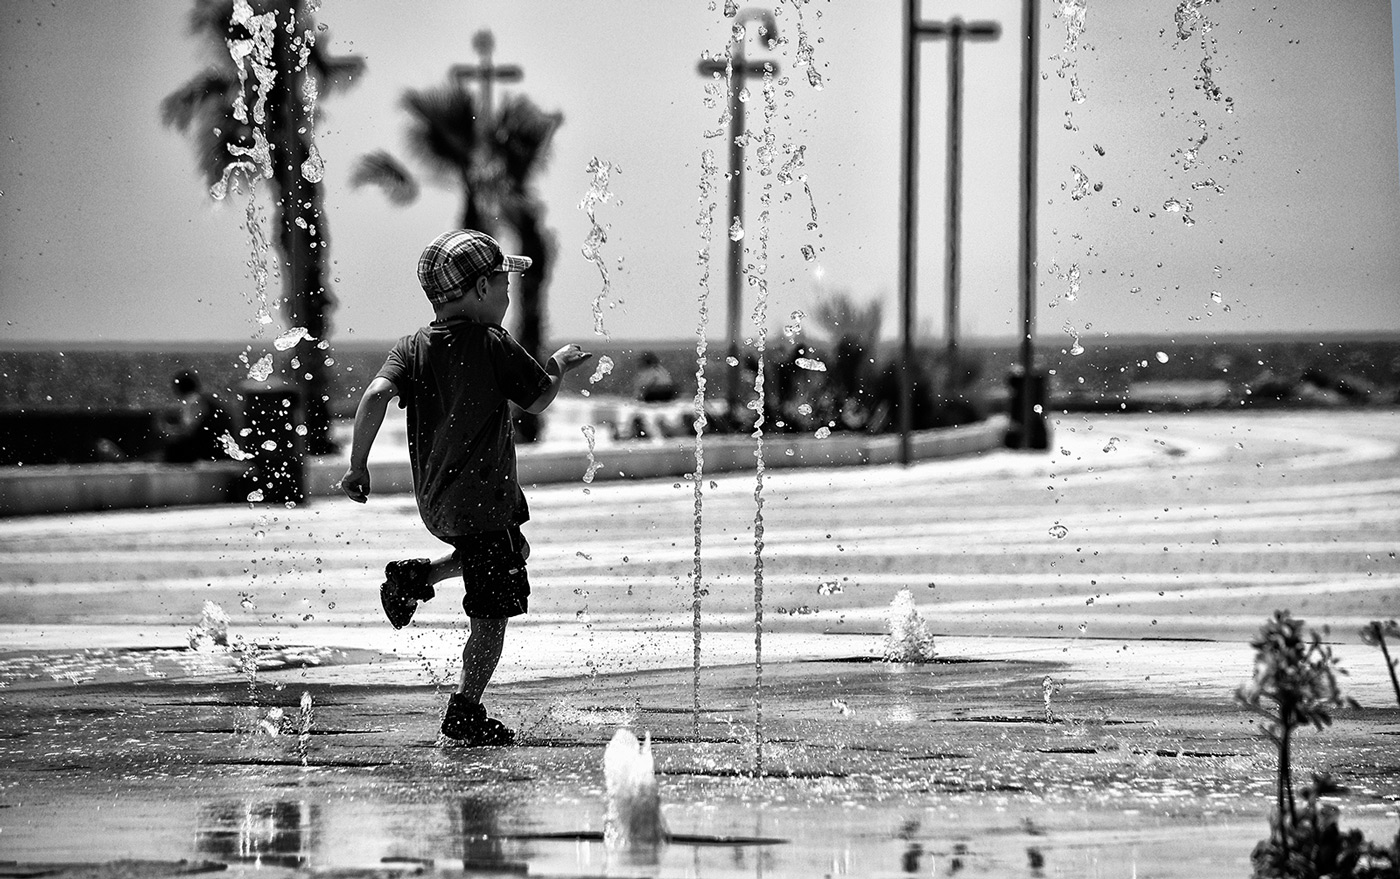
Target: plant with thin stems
[
  {"x": 1294, "y": 685},
  {"x": 1374, "y": 633}
]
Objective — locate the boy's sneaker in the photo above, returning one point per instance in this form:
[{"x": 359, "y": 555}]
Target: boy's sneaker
[
  {"x": 466, "y": 722},
  {"x": 405, "y": 584}
]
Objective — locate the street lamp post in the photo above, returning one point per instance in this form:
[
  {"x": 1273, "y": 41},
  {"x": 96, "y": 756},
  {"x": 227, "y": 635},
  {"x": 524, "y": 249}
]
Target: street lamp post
[
  {"x": 738, "y": 69},
  {"x": 955, "y": 31}
]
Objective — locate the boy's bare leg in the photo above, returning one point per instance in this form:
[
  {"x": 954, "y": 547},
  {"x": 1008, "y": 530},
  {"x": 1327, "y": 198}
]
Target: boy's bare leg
[
  {"x": 444, "y": 568},
  {"x": 479, "y": 657}
]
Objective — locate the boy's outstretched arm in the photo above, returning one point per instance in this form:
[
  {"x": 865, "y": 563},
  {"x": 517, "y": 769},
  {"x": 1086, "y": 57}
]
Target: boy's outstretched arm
[
  {"x": 562, "y": 361},
  {"x": 368, "y": 417}
]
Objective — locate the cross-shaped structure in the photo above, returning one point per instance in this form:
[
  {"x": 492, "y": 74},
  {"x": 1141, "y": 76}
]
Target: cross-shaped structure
[
  {"x": 484, "y": 44},
  {"x": 738, "y": 69}
]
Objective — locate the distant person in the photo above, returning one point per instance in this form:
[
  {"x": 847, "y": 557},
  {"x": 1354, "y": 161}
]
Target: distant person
[
  {"x": 195, "y": 431},
  {"x": 457, "y": 377},
  {"x": 653, "y": 383}
]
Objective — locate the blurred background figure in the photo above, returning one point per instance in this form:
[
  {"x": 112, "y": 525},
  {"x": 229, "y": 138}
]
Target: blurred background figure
[
  {"x": 653, "y": 383},
  {"x": 194, "y": 430}
]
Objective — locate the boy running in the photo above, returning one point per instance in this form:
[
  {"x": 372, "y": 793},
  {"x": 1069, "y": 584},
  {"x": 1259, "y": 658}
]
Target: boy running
[{"x": 455, "y": 377}]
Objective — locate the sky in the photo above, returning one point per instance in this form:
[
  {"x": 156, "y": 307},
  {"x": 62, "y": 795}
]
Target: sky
[{"x": 1160, "y": 211}]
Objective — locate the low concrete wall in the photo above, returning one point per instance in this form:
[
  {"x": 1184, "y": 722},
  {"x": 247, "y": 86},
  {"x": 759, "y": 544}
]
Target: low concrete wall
[
  {"x": 79, "y": 488},
  {"x": 26, "y": 491},
  {"x": 647, "y": 459}
]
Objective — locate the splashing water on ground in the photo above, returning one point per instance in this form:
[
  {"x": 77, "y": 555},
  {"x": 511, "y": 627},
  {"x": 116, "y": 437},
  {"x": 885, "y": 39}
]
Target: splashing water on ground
[
  {"x": 304, "y": 720},
  {"x": 633, "y": 819},
  {"x": 212, "y": 631},
  {"x": 908, "y": 638}
]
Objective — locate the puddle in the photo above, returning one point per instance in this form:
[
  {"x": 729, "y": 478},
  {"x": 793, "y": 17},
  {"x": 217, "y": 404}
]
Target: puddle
[
  {"x": 788, "y": 829},
  {"x": 117, "y": 665}
]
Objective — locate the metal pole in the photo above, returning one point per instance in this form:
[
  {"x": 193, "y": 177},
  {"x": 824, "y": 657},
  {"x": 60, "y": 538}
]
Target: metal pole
[
  {"x": 1030, "y": 76},
  {"x": 908, "y": 207},
  {"x": 734, "y": 388},
  {"x": 954, "y": 194}
]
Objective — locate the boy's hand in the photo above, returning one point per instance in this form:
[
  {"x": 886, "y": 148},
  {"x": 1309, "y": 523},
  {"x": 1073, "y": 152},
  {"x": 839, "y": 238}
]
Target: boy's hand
[
  {"x": 569, "y": 357},
  {"x": 355, "y": 484}
]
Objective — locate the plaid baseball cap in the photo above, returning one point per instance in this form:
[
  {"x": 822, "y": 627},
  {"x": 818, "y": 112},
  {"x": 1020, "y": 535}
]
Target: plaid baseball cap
[{"x": 459, "y": 257}]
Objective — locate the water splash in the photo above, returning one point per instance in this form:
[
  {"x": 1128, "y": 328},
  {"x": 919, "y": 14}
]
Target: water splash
[
  {"x": 291, "y": 338},
  {"x": 805, "y": 54},
  {"x": 908, "y": 638},
  {"x": 304, "y": 718},
  {"x": 1080, "y": 188},
  {"x": 212, "y": 631},
  {"x": 604, "y": 367},
  {"x": 598, "y": 193},
  {"x": 760, "y": 322},
  {"x": 1191, "y": 20},
  {"x": 1072, "y": 12},
  {"x": 261, "y": 369},
  {"x": 788, "y": 174},
  {"x": 1048, "y": 688},
  {"x": 793, "y": 328},
  {"x": 255, "y": 55},
  {"x": 591, "y": 436},
  {"x": 633, "y": 820}
]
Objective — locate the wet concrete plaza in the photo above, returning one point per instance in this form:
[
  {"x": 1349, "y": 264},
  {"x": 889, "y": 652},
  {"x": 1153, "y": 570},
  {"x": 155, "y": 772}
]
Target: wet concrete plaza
[{"x": 1091, "y": 606}]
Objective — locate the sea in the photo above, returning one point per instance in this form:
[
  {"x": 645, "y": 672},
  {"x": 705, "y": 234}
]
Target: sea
[{"x": 1106, "y": 374}]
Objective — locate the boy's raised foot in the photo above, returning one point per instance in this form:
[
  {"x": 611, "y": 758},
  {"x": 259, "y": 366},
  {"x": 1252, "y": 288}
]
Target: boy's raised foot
[
  {"x": 466, "y": 723},
  {"x": 405, "y": 584}
]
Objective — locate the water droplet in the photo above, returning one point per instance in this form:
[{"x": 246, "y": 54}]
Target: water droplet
[
  {"x": 605, "y": 366},
  {"x": 736, "y": 230},
  {"x": 291, "y": 337},
  {"x": 260, "y": 370},
  {"x": 314, "y": 168},
  {"x": 810, "y": 363},
  {"x": 804, "y": 409},
  {"x": 1162, "y": 357},
  {"x": 1058, "y": 531},
  {"x": 255, "y": 496},
  {"x": 809, "y": 253},
  {"x": 823, "y": 432}
]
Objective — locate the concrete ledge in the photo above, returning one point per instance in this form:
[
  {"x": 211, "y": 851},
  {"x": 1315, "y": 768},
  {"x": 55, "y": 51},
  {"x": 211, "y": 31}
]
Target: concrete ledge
[
  {"x": 28, "y": 491},
  {"x": 645, "y": 459}
]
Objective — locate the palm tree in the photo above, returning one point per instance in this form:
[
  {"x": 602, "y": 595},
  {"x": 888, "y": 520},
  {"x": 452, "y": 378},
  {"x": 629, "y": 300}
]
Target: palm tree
[
  {"x": 493, "y": 162},
  {"x": 204, "y": 106}
]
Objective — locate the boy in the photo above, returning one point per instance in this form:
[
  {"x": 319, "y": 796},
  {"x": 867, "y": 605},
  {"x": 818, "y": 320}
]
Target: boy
[{"x": 455, "y": 377}]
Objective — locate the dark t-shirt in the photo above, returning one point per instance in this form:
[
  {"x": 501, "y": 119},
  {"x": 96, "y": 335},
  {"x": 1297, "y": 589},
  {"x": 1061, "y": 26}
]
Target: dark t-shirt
[{"x": 455, "y": 379}]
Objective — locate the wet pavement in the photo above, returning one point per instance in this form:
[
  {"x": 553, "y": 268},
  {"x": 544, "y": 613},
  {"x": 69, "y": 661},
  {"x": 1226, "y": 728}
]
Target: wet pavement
[{"x": 1091, "y": 609}]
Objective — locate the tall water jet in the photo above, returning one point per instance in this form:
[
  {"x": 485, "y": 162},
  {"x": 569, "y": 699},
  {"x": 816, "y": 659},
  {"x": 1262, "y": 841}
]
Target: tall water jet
[
  {"x": 633, "y": 821},
  {"x": 709, "y": 171},
  {"x": 760, "y": 320}
]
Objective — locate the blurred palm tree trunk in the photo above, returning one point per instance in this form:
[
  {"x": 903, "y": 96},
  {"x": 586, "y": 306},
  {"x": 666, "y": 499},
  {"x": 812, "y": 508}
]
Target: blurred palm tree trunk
[{"x": 204, "y": 106}]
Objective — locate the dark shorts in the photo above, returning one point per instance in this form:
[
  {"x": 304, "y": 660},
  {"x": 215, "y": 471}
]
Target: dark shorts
[{"x": 493, "y": 572}]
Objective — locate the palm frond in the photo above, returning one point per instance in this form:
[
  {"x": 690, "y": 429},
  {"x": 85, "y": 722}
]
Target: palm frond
[
  {"x": 200, "y": 98},
  {"x": 442, "y": 132},
  {"x": 336, "y": 73},
  {"x": 383, "y": 170},
  {"x": 521, "y": 136}
]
